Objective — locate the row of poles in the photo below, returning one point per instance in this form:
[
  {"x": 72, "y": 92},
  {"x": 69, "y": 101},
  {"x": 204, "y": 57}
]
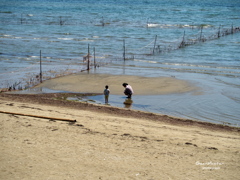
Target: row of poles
[
  {"x": 182, "y": 44},
  {"x": 219, "y": 34},
  {"x": 94, "y": 57},
  {"x": 88, "y": 62},
  {"x": 88, "y": 58},
  {"x": 124, "y": 48},
  {"x": 62, "y": 21}
]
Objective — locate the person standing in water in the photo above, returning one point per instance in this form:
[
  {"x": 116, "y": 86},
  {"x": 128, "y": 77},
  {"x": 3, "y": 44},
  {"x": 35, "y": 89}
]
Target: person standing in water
[
  {"x": 128, "y": 90},
  {"x": 106, "y": 93}
]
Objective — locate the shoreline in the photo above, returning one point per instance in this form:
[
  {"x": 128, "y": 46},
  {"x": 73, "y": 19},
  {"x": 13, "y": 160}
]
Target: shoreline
[
  {"x": 91, "y": 82},
  {"x": 59, "y": 100}
]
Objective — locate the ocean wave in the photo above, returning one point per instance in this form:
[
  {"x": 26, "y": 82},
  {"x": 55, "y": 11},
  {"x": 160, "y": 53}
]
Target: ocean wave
[
  {"x": 228, "y": 83},
  {"x": 6, "y": 37},
  {"x": 87, "y": 40},
  {"x": 147, "y": 61},
  {"x": 66, "y": 39},
  {"x": 154, "y": 25},
  {"x": 192, "y": 65},
  {"x": 202, "y": 66}
]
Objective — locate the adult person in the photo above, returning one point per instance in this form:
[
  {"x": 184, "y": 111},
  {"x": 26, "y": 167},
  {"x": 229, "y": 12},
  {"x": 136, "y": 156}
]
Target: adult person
[{"x": 128, "y": 90}]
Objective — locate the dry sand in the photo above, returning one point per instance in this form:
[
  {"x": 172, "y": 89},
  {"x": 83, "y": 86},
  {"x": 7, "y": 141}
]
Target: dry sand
[
  {"x": 110, "y": 143},
  {"x": 95, "y": 83}
]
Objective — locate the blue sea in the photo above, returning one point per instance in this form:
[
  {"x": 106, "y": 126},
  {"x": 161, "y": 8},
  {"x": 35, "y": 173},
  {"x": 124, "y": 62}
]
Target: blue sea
[{"x": 197, "y": 41}]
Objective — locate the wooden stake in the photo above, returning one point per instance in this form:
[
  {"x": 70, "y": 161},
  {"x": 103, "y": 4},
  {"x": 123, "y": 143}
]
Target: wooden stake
[
  {"x": 154, "y": 44},
  {"x": 94, "y": 57},
  {"x": 183, "y": 41},
  {"x": 88, "y": 59},
  {"x": 103, "y": 24},
  {"x": 184, "y": 37},
  {"x": 124, "y": 51},
  {"x": 61, "y": 21},
  {"x": 201, "y": 33},
  {"x": 21, "y": 19},
  {"x": 219, "y": 31},
  {"x": 40, "y": 66}
]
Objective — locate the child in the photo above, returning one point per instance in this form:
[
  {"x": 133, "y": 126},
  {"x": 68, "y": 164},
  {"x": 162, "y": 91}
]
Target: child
[{"x": 106, "y": 92}]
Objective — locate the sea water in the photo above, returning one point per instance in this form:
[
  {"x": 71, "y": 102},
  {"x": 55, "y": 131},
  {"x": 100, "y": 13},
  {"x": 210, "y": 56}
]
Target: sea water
[{"x": 146, "y": 33}]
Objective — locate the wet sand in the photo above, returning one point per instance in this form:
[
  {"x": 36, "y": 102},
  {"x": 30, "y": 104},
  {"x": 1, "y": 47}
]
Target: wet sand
[
  {"x": 95, "y": 83},
  {"x": 109, "y": 143}
]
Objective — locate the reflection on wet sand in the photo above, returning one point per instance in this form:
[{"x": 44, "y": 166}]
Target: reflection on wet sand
[{"x": 128, "y": 103}]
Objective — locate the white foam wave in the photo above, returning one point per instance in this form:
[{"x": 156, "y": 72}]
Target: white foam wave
[
  {"x": 152, "y": 25},
  {"x": 6, "y": 35},
  {"x": 34, "y": 56},
  {"x": 66, "y": 39},
  {"x": 147, "y": 61},
  {"x": 88, "y": 40}
]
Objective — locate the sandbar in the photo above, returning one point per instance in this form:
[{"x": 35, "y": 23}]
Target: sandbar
[{"x": 94, "y": 83}]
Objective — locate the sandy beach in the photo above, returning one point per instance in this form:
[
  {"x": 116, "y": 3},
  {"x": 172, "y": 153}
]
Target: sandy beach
[
  {"x": 180, "y": 57},
  {"x": 109, "y": 143}
]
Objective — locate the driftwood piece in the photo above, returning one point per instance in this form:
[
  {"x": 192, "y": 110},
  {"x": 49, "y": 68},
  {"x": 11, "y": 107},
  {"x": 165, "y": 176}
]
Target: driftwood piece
[{"x": 36, "y": 116}]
